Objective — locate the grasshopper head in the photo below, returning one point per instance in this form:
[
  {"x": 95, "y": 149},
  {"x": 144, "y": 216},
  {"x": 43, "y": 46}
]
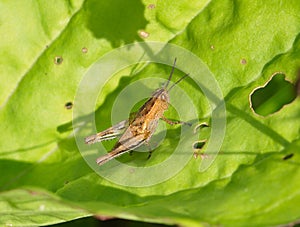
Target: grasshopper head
[{"x": 162, "y": 94}]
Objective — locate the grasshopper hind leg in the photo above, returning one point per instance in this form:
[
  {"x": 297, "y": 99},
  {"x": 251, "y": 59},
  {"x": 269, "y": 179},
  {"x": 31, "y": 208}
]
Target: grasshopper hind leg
[
  {"x": 170, "y": 122},
  {"x": 108, "y": 134},
  {"x": 149, "y": 155}
]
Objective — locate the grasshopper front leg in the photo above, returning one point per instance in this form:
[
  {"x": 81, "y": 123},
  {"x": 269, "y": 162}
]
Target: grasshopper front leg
[
  {"x": 170, "y": 122},
  {"x": 107, "y": 134}
]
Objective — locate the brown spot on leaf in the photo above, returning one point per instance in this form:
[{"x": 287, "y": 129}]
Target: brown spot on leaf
[
  {"x": 151, "y": 6},
  {"x": 84, "y": 50},
  {"x": 143, "y": 34},
  {"x": 243, "y": 61}
]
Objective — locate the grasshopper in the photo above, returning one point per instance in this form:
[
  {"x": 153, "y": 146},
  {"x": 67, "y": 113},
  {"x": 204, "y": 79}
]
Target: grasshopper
[{"x": 141, "y": 127}]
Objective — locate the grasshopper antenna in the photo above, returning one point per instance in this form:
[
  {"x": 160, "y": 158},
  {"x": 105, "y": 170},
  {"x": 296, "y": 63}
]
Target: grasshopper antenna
[
  {"x": 171, "y": 74},
  {"x": 178, "y": 81}
]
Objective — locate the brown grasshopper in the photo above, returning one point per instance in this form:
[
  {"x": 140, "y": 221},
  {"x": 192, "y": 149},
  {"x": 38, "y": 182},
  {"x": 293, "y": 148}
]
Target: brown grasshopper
[{"x": 142, "y": 126}]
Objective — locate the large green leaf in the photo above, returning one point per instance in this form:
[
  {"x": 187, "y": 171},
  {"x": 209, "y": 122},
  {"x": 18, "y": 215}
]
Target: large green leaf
[{"x": 254, "y": 179}]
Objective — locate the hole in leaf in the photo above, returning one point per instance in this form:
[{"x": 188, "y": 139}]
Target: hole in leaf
[
  {"x": 288, "y": 156},
  {"x": 58, "y": 60},
  {"x": 200, "y": 126},
  {"x": 198, "y": 145},
  {"x": 69, "y": 105},
  {"x": 273, "y": 96}
]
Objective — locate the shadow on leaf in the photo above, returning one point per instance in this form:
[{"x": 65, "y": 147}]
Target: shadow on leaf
[{"x": 117, "y": 21}]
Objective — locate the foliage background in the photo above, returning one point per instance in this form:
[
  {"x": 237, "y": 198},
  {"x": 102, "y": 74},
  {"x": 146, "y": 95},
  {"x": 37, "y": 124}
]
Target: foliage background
[{"x": 44, "y": 180}]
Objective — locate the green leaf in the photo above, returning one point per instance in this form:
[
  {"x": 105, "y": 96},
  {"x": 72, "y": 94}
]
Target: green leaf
[
  {"x": 23, "y": 207},
  {"x": 251, "y": 182}
]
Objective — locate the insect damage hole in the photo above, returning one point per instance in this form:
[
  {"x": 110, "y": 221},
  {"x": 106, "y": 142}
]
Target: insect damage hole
[
  {"x": 68, "y": 105},
  {"x": 198, "y": 147},
  {"x": 58, "y": 60},
  {"x": 200, "y": 126},
  {"x": 271, "y": 97}
]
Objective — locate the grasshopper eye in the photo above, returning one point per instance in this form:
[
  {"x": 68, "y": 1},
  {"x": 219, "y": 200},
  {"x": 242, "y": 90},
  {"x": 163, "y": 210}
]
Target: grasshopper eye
[{"x": 163, "y": 97}]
